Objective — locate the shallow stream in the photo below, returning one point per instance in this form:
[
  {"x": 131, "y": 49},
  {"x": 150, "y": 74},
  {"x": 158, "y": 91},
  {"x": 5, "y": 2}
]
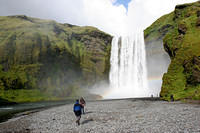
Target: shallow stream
[{"x": 9, "y": 111}]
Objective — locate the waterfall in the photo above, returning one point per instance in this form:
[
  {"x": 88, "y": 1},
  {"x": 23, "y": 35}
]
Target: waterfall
[{"x": 128, "y": 73}]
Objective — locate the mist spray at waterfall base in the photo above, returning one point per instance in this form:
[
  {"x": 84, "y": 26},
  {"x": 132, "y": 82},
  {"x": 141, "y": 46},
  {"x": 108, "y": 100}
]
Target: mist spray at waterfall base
[{"x": 128, "y": 72}]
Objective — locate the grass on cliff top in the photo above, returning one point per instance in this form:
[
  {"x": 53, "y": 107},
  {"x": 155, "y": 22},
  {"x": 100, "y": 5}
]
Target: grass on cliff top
[
  {"x": 156, "y": 30},
  {"x": 22, "y": 23}
]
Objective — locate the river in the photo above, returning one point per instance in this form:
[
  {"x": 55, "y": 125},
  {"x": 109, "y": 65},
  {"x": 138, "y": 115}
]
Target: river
[{"x": 10, "y": 111}]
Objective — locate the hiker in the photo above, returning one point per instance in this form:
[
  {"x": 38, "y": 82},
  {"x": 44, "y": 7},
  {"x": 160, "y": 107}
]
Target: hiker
[
  {"x": 77, "y": 111},
  {"x": 172, "y": 98},
  {"x": 83, "y": 103}
]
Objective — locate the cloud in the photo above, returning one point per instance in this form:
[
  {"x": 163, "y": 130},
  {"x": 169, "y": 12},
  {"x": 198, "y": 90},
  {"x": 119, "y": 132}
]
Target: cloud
[
  {"x": 103, "y": 14},
  {"x": 64, "y": 11},
  {"x": 142, "y": 13}
]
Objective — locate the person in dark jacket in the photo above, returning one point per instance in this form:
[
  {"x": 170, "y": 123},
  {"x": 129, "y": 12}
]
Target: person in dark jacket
[
  {"x": 83, "y": 103},
  {"x": 77, "y": 111}
]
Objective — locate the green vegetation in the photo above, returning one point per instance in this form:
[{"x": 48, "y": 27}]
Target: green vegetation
[
  {"x": 181, "y": 40},
  {"x": 23, "y": 95},
  {"x": 44, "y": 60}
]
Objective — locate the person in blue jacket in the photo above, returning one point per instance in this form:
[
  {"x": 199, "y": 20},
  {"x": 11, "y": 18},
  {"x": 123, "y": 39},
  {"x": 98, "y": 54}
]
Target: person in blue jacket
[{"x": 77, "y": 111}]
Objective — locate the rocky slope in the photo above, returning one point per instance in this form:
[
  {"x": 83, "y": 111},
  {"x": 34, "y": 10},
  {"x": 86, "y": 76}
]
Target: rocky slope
[
  {"x": 180, "y": 33},
  {"x": 44, "y": 58}
]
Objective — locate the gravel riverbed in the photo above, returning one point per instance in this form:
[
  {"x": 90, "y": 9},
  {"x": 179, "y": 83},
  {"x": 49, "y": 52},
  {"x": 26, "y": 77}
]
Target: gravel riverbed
[{"x": 115, "y": 116}]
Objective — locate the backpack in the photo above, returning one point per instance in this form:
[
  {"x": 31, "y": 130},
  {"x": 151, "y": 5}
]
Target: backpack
[{"x": 77, "y": 107}]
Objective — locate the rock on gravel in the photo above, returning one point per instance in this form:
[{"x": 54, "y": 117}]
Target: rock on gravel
[{"x": 117, "y": 116}]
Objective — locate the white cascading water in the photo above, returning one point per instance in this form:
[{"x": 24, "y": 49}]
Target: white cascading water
[{"x": 128, "y": 73}]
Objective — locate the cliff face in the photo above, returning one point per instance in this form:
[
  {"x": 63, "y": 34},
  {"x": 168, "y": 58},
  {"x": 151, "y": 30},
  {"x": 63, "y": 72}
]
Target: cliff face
[
  {"x": 180, "y": 33},
  {"x": 57, "y": 59}
]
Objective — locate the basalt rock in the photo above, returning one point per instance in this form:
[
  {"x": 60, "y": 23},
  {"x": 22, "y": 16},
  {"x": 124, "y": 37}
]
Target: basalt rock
[
  {"x": 198, "y": 22},
  {"x": 198, "y": 14},
  {"x": 192, "y": 70},
  {"x": 182, "y": 29}
]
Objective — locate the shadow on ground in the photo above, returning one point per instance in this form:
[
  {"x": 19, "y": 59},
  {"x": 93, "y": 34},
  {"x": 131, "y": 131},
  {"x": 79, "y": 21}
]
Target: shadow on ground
[
  {"x": 87, "y": 121},
  {"x": 88, "y": 112}
]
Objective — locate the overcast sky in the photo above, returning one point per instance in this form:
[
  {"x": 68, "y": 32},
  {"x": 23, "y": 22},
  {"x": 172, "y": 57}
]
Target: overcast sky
[{"x": 112, "y": 16}]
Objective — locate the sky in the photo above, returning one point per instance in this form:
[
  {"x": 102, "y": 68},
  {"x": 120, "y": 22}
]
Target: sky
[
  {"x": 122, "y": 2},
  {"x": 116, "y": 17}
]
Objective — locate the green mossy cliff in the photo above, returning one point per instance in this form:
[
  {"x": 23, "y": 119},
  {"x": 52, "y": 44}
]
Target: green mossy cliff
[
  {"x": 43, "y": 59},
  {"x": 180, "y": 33}
]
